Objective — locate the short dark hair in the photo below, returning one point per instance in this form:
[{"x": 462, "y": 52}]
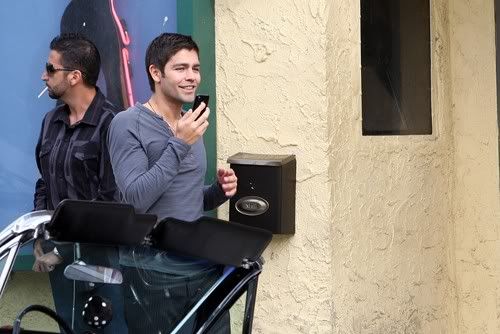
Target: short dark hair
[
  {"x": 79, "y": 53},
  {"x": 163, "y": 47}
]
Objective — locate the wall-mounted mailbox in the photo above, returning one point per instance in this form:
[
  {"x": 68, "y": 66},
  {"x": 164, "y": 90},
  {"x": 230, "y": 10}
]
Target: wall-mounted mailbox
[{"x": 266, "y": 191}]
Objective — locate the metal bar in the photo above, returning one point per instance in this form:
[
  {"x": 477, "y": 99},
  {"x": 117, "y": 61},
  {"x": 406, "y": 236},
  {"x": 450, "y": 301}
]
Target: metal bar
[
  {"x": 12, "y": 248},
  {"x": 250, "y": 306}
]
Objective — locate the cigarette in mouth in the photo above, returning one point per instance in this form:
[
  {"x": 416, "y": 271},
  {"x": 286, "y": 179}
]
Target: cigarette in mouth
[{"x": 43, "y": 91}]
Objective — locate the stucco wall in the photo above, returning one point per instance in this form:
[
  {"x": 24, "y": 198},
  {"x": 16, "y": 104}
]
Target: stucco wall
[
  {"x": 27, "y": 288},
  {"x": 378, "y": 218},
  {"x": 271, "y": 93},
  {"x": 391, "y": 198},
  {"x": 477, "y": 202}
]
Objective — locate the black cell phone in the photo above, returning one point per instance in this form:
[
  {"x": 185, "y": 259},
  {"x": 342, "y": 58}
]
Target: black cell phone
[{"x": 197, "y": 101}]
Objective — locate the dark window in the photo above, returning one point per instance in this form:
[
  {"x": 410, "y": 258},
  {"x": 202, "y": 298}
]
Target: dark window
[{"x": 396, "y": 67}]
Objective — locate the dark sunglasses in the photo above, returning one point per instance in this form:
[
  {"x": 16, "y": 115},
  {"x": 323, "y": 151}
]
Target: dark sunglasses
[{"x": 50, "y": 69}]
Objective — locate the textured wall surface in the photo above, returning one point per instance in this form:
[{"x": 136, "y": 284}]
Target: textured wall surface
[
  {"x": 477, "y": 202},
  {"x": 26, "y": 288},
  {"x": 395, "y": 234},
  {"x": 271, "y": 93},
  {"x": 391, "y": 197}
]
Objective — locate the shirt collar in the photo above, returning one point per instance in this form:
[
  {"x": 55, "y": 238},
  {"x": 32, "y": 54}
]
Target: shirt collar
[{"x": 91, "y": 116}]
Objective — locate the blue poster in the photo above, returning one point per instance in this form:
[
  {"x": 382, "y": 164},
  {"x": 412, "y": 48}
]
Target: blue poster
[{"x": 120, "y": 29}]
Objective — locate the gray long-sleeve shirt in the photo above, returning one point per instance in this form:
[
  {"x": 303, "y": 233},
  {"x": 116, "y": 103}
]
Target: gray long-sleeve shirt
[
  {"x": 159, "y": 174},
  {"x": 156, "y": 172}
]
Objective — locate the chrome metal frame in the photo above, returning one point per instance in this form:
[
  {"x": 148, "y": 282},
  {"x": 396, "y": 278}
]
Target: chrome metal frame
[
  {"x": 12, "y": 238},
  {"x": 225, "y": 292}
]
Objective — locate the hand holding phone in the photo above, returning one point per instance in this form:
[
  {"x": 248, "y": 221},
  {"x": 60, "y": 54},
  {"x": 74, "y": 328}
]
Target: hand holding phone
[
  {"x": 197, "y": 101},
  {"x": 189, "y": 131}
]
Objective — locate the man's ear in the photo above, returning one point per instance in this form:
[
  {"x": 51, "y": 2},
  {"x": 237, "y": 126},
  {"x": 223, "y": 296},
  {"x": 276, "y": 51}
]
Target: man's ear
[
  {"x": 155, "y": 73},
  {"x": 75, "y": 77}
]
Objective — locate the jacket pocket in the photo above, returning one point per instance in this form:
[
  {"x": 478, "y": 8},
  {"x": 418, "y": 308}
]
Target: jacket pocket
[
  {"x": 44, "y": 158},
  {"x": 86, "y": 161}
]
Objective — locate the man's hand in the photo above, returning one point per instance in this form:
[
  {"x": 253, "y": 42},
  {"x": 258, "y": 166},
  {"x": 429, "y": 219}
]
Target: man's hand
[
  {"x": 44, "y": 262},
  {"x": 190, "y": 129},
  {"x": 228, "y": 181}
]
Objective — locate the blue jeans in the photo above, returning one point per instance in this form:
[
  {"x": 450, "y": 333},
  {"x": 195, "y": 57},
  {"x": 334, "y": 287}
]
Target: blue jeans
[{"x": 155, "y": 302}]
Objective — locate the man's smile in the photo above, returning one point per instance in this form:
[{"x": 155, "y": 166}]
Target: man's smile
[{"x": 188, "y": 87}]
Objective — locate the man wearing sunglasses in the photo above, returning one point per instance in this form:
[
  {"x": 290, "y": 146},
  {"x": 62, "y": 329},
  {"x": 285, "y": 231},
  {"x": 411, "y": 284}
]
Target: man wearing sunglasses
[{"x": 72, "y": 154}]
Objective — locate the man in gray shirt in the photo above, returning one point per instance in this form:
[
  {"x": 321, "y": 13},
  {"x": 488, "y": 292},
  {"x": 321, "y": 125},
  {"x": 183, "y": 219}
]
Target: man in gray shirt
[{"x": 159, "y": 161}]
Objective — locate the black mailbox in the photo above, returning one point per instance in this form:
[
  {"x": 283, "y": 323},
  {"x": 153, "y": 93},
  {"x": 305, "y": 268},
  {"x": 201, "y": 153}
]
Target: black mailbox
[{"x": 266, "y": 191}]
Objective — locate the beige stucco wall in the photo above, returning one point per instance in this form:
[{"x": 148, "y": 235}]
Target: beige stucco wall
[
  {"x": 27, "y": 288},
  {"x": 271, "y": 93},
  {"x": 391, "y": 199},
  {"x": 476, "y": 204},
  {"x": 389, "y": 239}
]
